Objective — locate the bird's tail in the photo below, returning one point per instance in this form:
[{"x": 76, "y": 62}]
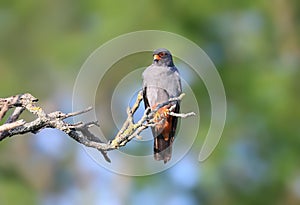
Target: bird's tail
[{"x": 163, "y": 148}]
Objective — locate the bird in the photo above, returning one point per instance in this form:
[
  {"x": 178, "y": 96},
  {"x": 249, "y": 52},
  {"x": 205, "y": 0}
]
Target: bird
[{"x": 161, "y": 81}]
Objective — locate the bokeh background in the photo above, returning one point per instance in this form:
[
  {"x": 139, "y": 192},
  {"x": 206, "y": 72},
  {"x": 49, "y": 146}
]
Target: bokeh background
[{"x": 255, "y": 47}]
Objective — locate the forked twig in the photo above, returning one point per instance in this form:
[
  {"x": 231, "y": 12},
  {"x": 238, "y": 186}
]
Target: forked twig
[{"x": 79, "y": 131}]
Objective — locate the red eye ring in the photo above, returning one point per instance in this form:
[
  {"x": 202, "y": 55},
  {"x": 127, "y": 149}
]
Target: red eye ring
[{"x": 162, "y": 54}]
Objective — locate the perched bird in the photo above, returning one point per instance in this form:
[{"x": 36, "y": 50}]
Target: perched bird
[{"x": 161, "y": 81}]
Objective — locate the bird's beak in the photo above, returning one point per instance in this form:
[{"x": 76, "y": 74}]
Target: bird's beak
[{"x": 156, "y": 57}]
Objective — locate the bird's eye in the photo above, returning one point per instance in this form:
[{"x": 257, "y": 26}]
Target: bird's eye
[{"x": 162, "y": 54}]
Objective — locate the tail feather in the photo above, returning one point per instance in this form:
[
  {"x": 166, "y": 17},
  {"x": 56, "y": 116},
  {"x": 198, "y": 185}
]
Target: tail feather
[
  {"x": 164, "y": 134},
  {"x": 163, "y": 148}
]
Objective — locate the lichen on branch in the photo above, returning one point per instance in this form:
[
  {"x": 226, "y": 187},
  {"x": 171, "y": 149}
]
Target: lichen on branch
[{"x": 79, "y": 131}]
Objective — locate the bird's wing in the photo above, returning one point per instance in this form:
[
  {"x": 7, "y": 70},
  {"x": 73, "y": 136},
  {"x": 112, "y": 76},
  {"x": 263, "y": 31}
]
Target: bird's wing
[{"x": 159, "y": 85}]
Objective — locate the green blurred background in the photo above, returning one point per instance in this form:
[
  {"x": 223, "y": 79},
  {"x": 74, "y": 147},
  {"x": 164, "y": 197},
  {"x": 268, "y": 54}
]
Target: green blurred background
[{"x": 255, "y": 47}]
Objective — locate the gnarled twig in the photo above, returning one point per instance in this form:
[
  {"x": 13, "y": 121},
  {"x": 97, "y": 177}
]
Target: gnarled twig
[{"x": 79, "y": 131}]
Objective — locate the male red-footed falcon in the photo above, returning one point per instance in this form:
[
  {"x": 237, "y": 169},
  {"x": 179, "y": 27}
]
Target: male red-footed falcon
[{"x": 161, "y": 81}]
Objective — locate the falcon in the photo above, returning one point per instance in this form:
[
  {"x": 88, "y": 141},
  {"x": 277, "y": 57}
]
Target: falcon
[{"x": 161, "y": 81}]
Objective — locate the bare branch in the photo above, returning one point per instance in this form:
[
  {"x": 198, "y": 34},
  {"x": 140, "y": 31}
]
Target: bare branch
[
  {"x": 3, "y": 110},
  {"x": 182, "y": 115},
  {"x": 79, "y": 131},
  {"x": 8, "y": 126},
  {"x": 17, "y": 112}
]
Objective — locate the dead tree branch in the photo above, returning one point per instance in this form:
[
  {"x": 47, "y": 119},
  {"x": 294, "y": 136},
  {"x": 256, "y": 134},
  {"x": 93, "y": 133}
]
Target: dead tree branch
[{"x": 79, "y": 131}]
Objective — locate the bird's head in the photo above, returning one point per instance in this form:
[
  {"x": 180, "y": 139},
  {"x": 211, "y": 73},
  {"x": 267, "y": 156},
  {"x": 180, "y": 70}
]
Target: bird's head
[{"x": 162, "y": 57}]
